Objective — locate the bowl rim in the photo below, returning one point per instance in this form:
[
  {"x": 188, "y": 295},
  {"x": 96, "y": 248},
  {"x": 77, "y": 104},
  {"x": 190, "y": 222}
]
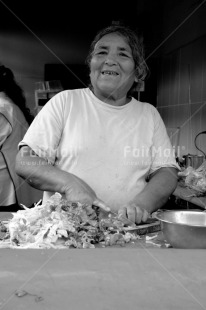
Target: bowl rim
[{"x": 160, "y": 212}]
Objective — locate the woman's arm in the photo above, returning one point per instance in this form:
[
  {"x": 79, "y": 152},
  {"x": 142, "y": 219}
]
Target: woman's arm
[
  {"x": 161, "y": 185},
  {"x": 43, "y": 176}
]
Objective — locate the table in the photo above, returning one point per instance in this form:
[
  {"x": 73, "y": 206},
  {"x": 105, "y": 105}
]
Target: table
[
  {"x": 136, "y": 277},
  {"x": 185, "y": 194}
]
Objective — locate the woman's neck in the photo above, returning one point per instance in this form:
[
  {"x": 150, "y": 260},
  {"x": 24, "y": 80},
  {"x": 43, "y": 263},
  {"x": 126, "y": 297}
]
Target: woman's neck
[
  {"x": 115, "y": 102},
  {"x": 111, "y": 99}
]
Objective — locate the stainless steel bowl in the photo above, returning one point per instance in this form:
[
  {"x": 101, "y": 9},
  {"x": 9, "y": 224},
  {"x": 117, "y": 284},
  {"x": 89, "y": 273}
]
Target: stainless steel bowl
[{"x": 184, "y": 229}]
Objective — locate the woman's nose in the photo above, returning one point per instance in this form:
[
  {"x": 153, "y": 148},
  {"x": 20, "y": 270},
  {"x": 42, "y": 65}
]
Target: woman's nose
[{"x": 111, "y": 60}]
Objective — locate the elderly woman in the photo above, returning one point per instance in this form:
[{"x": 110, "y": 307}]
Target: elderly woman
[{"x": 99, "y": 145}]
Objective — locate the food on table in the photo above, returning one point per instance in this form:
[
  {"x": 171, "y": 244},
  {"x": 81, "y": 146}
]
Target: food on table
[
  {"x": 195, "y": 179},
  {"x": 62, "y": 224},
  {"x": 3, "y": 231}
]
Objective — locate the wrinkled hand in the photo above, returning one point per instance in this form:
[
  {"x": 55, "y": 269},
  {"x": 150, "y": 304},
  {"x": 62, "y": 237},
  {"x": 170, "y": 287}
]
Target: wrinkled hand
[
  {"x": 78, "y": 191},
  {"x": 133, "y": 214}
]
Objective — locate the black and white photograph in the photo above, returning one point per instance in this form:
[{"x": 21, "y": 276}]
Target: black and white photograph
[{"x": 103, "y": 155}]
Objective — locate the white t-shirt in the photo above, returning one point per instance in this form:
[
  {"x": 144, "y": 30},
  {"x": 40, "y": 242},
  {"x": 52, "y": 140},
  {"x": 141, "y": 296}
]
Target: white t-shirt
[{"x": 112, "y": 148}]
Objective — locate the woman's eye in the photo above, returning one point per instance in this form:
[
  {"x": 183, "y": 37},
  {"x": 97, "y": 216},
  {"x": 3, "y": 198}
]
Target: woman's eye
[
  {"x": 123, "y": 54},
  {"x": 101, "y": 53}
]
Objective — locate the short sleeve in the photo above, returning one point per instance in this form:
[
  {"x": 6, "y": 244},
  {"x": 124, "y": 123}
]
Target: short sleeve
[
  {"x": 43, "y": 135},
  {"x": 163, "y": 154}
]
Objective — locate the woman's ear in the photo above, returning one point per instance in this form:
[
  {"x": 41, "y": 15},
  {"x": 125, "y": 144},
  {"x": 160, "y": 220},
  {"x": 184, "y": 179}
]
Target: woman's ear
[{"x": 136, "y": 79}]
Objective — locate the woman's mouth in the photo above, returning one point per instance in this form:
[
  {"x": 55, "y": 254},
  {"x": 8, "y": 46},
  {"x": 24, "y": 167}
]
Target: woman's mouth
[{"x": 107, "y": 72}]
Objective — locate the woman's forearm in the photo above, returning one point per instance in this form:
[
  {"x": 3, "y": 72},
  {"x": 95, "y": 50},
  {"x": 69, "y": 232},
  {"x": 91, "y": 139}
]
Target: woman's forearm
[
  {"x": 156, "y": 193},
  {"x": 39, "y": 173}
]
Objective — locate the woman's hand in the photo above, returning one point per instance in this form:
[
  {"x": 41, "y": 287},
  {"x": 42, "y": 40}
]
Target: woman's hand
[
  {"x": 133, "y": 214},
  {"x": 161, "y": 185},
  {"x": 76, "y": 190},
  {"x": 40, "y": 174}
]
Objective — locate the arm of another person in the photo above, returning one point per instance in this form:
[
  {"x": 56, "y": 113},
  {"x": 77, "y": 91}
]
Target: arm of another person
[
  {"x": 43, "y": 176},
  {"x": 161, "y": 185},
  {"x": 5, "y": 129}
]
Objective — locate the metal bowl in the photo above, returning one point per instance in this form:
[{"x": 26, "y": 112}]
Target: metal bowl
[{"x": 184, "y": 229}]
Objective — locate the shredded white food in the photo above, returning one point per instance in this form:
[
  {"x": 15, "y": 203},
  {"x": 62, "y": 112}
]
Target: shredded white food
[{"x": 62, "y": 224}]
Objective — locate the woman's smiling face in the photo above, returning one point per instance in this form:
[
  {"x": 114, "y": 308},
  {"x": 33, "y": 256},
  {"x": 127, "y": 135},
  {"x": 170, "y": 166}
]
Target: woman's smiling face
[{"x": 112, "y": 67}]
